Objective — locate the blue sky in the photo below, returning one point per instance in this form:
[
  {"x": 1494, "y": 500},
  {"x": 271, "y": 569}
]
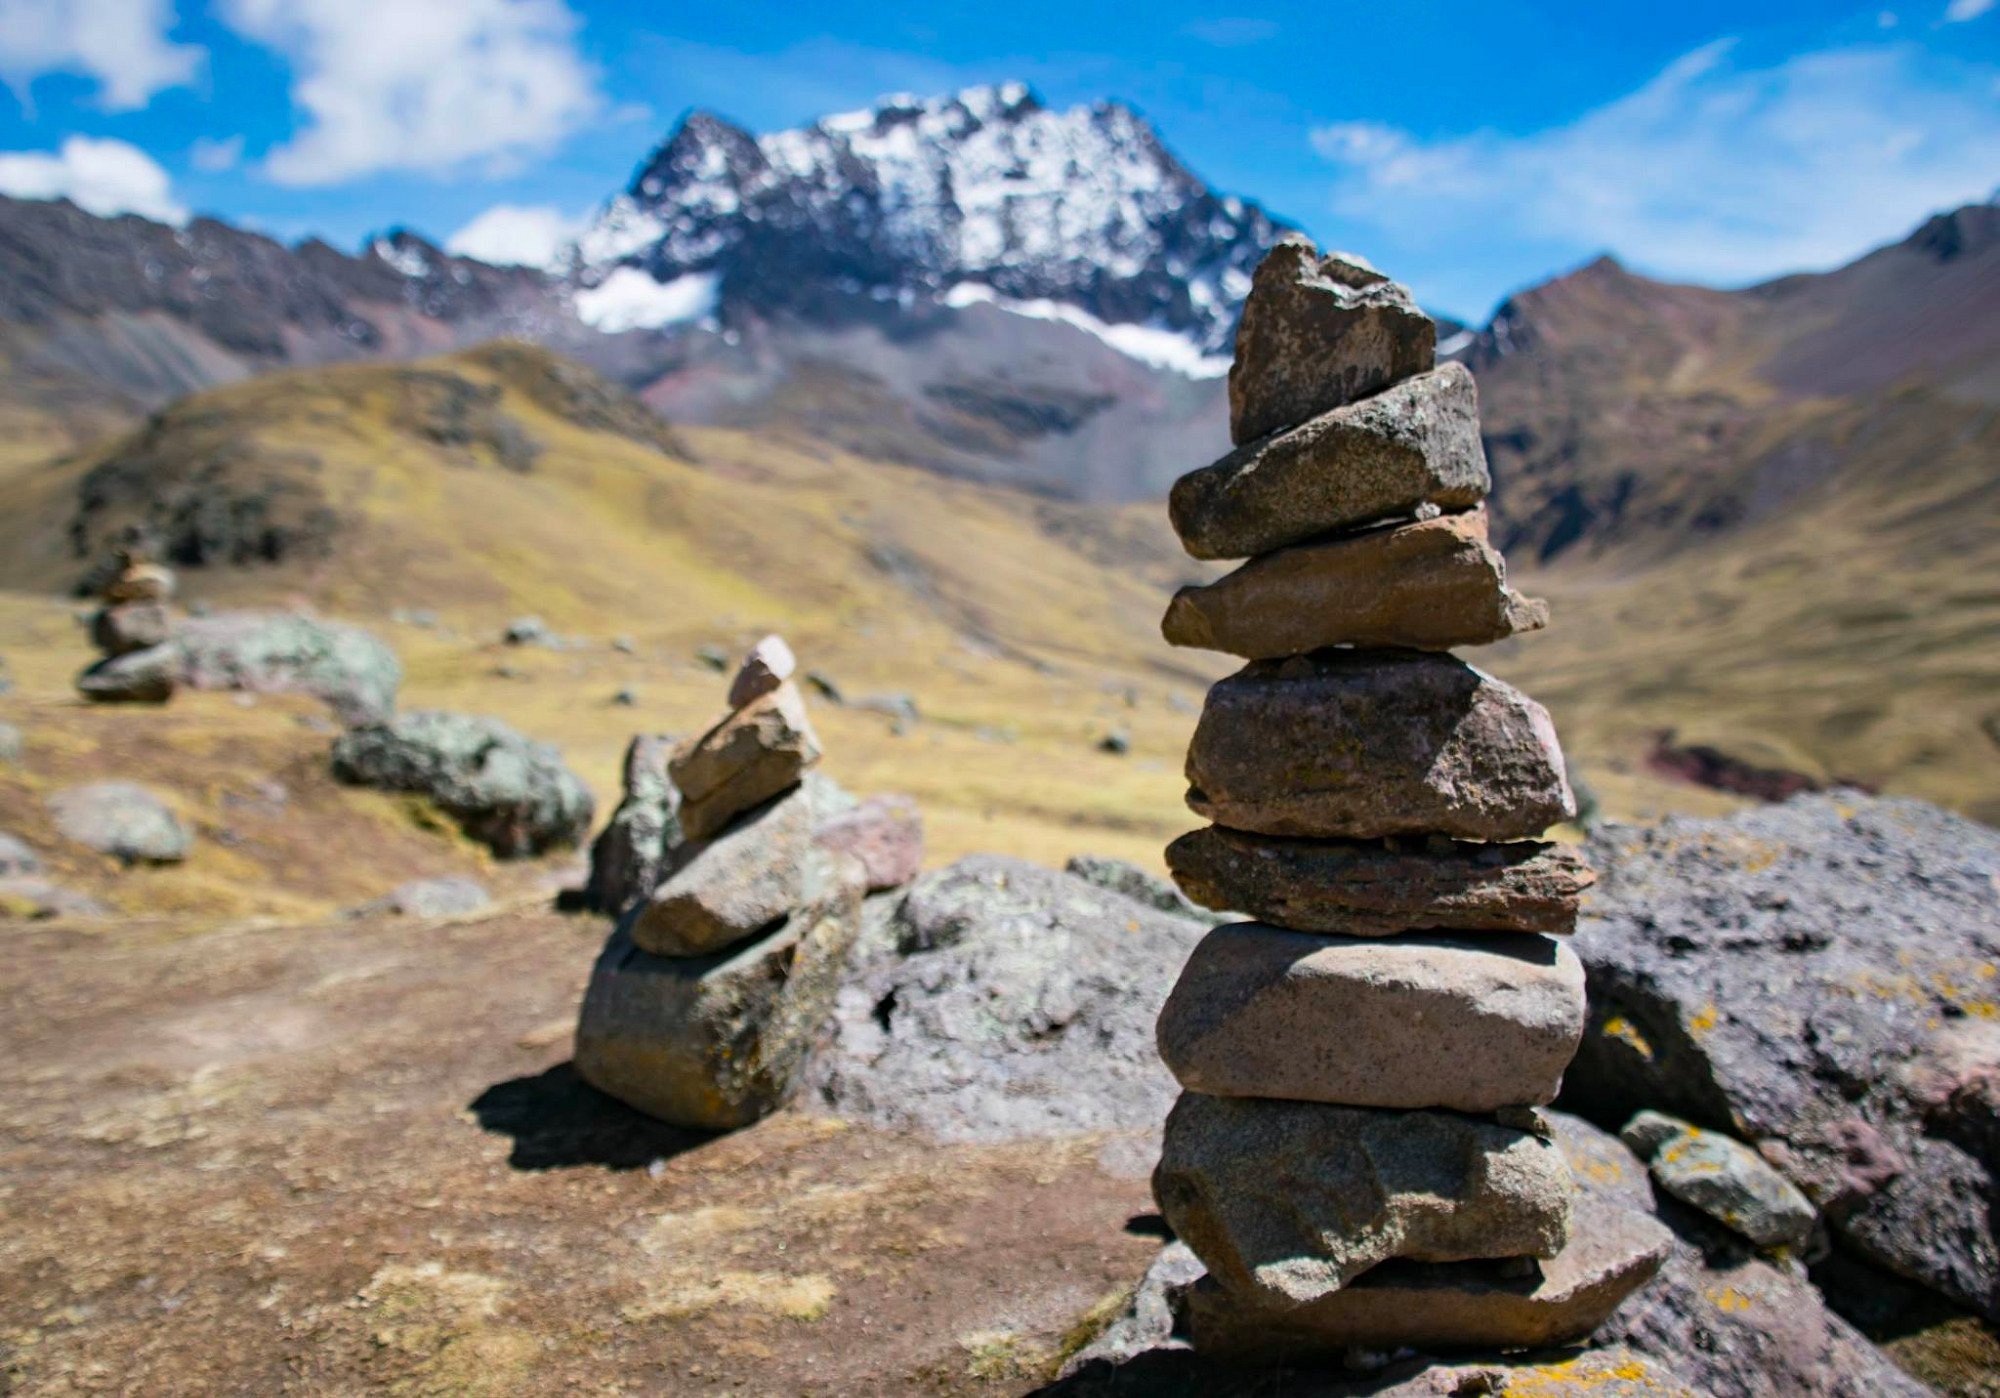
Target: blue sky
[{"x": 1469, "y": 148}]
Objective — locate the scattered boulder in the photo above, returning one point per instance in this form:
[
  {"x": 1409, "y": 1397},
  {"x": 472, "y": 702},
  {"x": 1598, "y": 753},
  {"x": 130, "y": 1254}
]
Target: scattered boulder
[
  {"x": 526, "y": 631},
  {"x": 1414, "y": 448},
  {"x": 513, "y": 795},
  {"x": 121, "y": 819},
  {"x": 885, "y": 833},
  {"x": 1128, "y": 879},
  {"x": 1288, "y": 1202},
  {"x": 282, "y": 652},
  {"x": 1816, "y": 979},
  {"x": 1117, "y": 742},
  {"x": 1723, "y": 1178},
  {"x": 11, "y": 743},
  {"x": 29, "y": 896},
  {"x": 713, "y": 657},
  {"x": 1363, "y": 744},
  {"x": 16, "y": 858},
  {"x": 451, "y": 896},
  {"x": 630, "y": 855},
  {"x": 753, "y": 754}
]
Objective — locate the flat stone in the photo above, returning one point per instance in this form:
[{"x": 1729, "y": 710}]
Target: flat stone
[
  {"x": 1317, "y": 333},
  {"x": 450, "y": 896},
  {"x": 1723, "y": 1178},
  {"x": 718, "y": 891},
  {"x": 1363, "y": 744},
  {"x": 717, "y": 1042},
  {"x": 1612, "y": 1252},
  {"x": 129, "y": 626},
  {"x": 756, "y": 752},
  {"x": 769, "y": 664},
  {"x": 886, "y": 833},
  {"x": 1416, "y": 445},
  {"x": 142, "y": 582},
  {"x": 1376, "y": 888},
  {"x": 137, "y": 677},
  {"x": 1287, "y": 1201},
  {"x": 121, "y": 819},
  {"x": 1472, "y": 1024},
  {"x": 1430, "y": 585}
]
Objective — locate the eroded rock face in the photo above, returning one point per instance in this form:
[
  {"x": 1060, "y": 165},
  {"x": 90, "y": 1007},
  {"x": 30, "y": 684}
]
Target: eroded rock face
[
  {"x": 752, "y": 755},
  {"x": 1376, "y": 888},
  {"x": 1419, "y": 1021},
  {"x": 1364, "y": 744},
  {"x": 717, "y": 1042},
  {"x": 1816, "y": 979},
  {"x": 1317, "y": 333},
  {"x": 123, "y": 820},
  {"x": 1430, "y": 585},
  {"x": 1414, "y": 446},
  {"x": 1287, "y": 1201}
]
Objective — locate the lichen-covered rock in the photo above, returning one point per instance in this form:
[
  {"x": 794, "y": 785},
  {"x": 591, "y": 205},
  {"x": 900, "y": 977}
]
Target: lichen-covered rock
[
  {"x": 1723, "y": 1178},
  {"x": 630, "y": 855},
  {"x": 1363, "y": 744},
  {"x": 121, "y": 819},
  {"x": 718, "y": 1041},
  {"x": 282, "y": 652},
  {"x": 886, "y": 833},
  {"x": 1317, "y": 333},
  {"x": 759, "y": 750},
  {"x": 1123, "y": 877},
  {"x": 1472, "y": 1024},
  {"x": 513, "y": 795},
  {"x": 1377, "y": 888},
  {"x": 1413, "y": 447},
  {"x": 1430, "y": 585},
  {"x": 1286, "y": 1202},
  {"x": 1817, "y": 978}
]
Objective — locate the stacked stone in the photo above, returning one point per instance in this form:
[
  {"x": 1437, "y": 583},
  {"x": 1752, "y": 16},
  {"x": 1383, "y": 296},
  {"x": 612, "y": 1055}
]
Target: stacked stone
[
  {"x": 1355, "y": 1156},
  {"x": 132, "y": 631},
  {"x": 706, "y": 1001}
]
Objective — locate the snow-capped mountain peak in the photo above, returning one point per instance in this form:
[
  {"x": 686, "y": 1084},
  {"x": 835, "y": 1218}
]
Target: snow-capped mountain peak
[{"x": 923, "y": 197}]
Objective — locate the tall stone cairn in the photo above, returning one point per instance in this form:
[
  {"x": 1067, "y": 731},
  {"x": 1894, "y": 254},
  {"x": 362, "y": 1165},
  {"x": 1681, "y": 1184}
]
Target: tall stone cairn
[{"x": 1356, "y": 1156}]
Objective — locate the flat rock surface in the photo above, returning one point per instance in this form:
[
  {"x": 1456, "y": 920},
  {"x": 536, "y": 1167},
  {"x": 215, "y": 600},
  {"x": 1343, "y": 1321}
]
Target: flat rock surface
[
  {"x": 1376, "y": 888},
  {"x": 756, "y": 752},
  {"x": 123, "y": 820},
  {"x": 718, "y": 891},
  {"x": 1285, "y": 1202},
  {"x": 1318, "y": 332},
  {"x": 1472, "y": 1024},
  {"x": 1414, "y": 446},
  {"x": 1362, "y": 744},
  {"x": 1817, "y": 979},
  {"x": 886, "y": 833},
  {"x": 1429, "y": 585}
]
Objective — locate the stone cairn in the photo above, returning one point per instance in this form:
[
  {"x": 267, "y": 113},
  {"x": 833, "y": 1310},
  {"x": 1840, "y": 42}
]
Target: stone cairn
[
  {"x": 131, "y": 631},
  {"x": 738, "y": 874},
  {"x": 1356, "y": 1157}
]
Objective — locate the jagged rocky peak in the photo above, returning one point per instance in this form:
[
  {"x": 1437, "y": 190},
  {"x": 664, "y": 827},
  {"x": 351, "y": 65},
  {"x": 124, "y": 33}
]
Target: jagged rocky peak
[{"x": 985, "y": 194}]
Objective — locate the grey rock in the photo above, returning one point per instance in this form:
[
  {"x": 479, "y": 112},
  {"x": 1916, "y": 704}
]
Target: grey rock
[
  {"x": 16, "y": 858},
  {"x": 756, "y": 752},
  {"x": 901, "y": 707},
  {"x": 1471, "y": 1024},
  {"x": 769, "y": 664},
  {"x": 1648, "y": 1131},
  {"x": 280, "y": 652},
  {"x": 626, "y": 698},
  {"x": 630, "y": 855},
  {"x": 451, "y": 896},
  {"x": 11, "y": 742},
  {"x": 886, "y": 833},
  {"x": 137, "y": 677},
  {"x": 1117, "y": 742},
  {"x": 712, "y": 657},
  {"x": 717, "y": 1042},
  {"x": 624, "y": 645},
  {"x": 1006, "y": 1001},
  {"x": 1363, "y": 744},
  {"x": 1149, "y": 1318},
  {"x": 1732, "y": 1323},
  {"x": 737, "y": 883},
  {"x": 30, "y": 896},
  {"x": 1730, "y": 1183},
  {"x": 1815, "y": 977},
  {"x": 1123, "y": 877},
  {"x": 1286, "y": 1202},
  {"x": 1430, "y": 585},
  {"x": 526, "y": 631},
  {"x": 822, "y": 684},
  {"x": 121, "y": 819},
  {"x": 1376, "y": 888},
  {"x": 513, "y": 795},
  {"x": 128, "y": 626},
  {"x": 1317, "y": 333}
]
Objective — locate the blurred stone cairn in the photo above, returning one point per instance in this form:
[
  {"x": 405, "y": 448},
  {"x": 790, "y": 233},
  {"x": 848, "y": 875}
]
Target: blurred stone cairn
[
  {"x": 737, "y": 874},
  {"x": 1355, "y": 1157},
  {"x": 131, "y": 631}
]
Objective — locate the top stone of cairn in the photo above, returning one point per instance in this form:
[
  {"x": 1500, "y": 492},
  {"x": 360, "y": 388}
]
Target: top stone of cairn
[{"x": 1319, "y": 333}]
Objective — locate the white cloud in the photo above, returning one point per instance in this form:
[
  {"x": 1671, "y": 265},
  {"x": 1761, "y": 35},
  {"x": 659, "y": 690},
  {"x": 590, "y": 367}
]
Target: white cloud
[
  {"x": 1712, "y": 171},
  {"x": 527, "y": 235},
  {"x": 421, "y": 85},
  {"x": 212, "y": 157},
  {"x": 122, "y": 44},
  {"x": 104, "y": 177},
  {"x": 1959, "y": 11}
]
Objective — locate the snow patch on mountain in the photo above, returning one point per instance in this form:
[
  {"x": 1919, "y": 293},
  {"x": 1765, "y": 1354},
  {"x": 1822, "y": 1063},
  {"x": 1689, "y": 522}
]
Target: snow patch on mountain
[
  {"x": 630, "y": 299},
  {"x": 1149, "y": 344}
]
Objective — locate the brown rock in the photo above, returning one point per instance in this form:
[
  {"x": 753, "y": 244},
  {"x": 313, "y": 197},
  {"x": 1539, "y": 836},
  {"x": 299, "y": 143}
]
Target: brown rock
[
  {"x": 718, "y": 1041},
  {"x": 1612, "y": 1252},
  {"x": 1386, "y": 457},
  {"x": 718, "y": 891},
  {"x": 1317, "y": 333},
  {"x": 886, "y": 833},
  {"x": 1469, "y": 1024},
  {"x": 769, "y": 664},
  {"x": 124, "y": 627},
  {"x": 1363, "y": 744},
  {"x": 1288, "y": 1201},
  {"x": 756, "y": 752},
  {"x": 141, "y": 582},
  {"x": 1377, "y": 888},
  {"x": 1430, "y": 585}
]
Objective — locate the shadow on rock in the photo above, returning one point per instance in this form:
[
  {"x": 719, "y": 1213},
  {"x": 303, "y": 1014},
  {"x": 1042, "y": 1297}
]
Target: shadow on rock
[{"x": 558, "y": 1120}]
